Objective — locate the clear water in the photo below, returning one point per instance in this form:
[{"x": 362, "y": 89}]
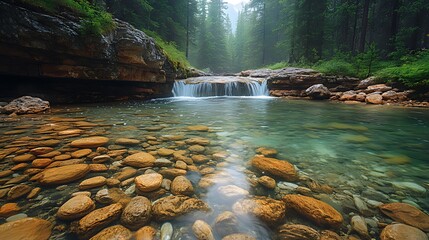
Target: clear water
[{"x": 348, "y": 147}]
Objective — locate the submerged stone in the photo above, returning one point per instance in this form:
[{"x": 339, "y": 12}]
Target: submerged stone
[
  {"x": 402, "y": 232},
  {"x": 171, "y": 207},
  {"x": 76, "y": 207},
  {"x": 90, "y": 142},
  {"x": 277, "y": 168},
  {"x": 27, "y": 228},
  {"x": 64, "y": 174},
  {"x": 264, "y": 208},
  {"x": 407, "y": 214}
]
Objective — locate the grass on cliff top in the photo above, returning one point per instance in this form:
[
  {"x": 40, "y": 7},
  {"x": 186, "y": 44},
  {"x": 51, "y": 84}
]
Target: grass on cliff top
[
  {"x": 177, "y": 57},
  {"x": 412, "y": 70},
  {"x": 95, "y": 21}
]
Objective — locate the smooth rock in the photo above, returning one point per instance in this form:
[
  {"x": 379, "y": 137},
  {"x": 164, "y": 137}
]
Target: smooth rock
[
  {"x": 127, "y": 141},
  {"x": 27, "y": 228},
  {"x": 165, "y": 152},
  {"x": 146, "y": 233},
  {"x": 140, "y": 160},
  {"x": 97, "y": 220},
  {"x": 148, "y": 182},
  {"x": 407, "y": 214},
  {"x": 359, "y": 225},
  {"x": 200, "y": 128},
  {"x": 267, "y": 152},
  {"x": 116, "y": 232},
  {"x": 9, "y": 209},
  {"x": 24, "y": 158},
  {"x": 226, "y": 223},
  {"x": 319, "y": 212},
  {"x": 81, "y": 153},
  {"x": 126, "y": 173},
  {"x": 90, "y": 142},
  {"x": 374, "y": 98},
  {"x": 18, "y": 191},
  {"x": 41, "y": 150},
  {"x": 64, "y": 174},
  {"x": 137, "y": 213},
  {"x": 329, "y": 235},
  {"x": 277, "y": 168},
  {"x": 239, "y": 236},
  {"x": 402, "y": 232},
  {"x": 181, "y": 186},
  {"x": 92, "y": 183},
  {"x": 264, "y": 208},
  {"x": 267, "y": 182},
  {"x": 318, "y": 91},
  {"x": 413, "y": 187},
  {"x": 202, "y": 230},
  {"x": 171, "y": 173},
  {"x": 171, "y": 207},
  {"x": 101, "y": 158},
  {"x": 166, "y": 231},
  {"x": 361, "y": 206},
  {"x": 297, "y": 232},
  {"x": 76, "y": 207},
  {"x": 232, "y": 191},
  {"x": 197, "y": 148}
]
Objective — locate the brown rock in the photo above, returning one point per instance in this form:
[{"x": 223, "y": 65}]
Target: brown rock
[
  {"x": 101, "y": 158},
  {"x": 297, "y": 232},
  {"x": 92, "y": 183},
  {"x": 164, "y": 152},
  {"x": 116, "y": 232},
  {"x": 96, "y": 167},
  {"x": 407, "y": 214},
  {"x": 198, "y": 140},
  {"x": 264, "y": 208},
  {"x": 199, "y": 128},
  {"x": 18, "y": 191},
  {"x": 41, "y": 150},
  {"x": 267, "y": 152},
  {"x": 171, "y": 173},
  {"x": 61, "y": 157},
  {"x": 170, "y": 207},
  {"x": 182, "y": 186},
  {"x": 140, "y": 160},
  {"x": 202, "y": 230},
  {"x": 232, "y": 191},
  {"x": 41, "y": 162},
  {"x": 374, "y": 98},
  {"x": 65, "y": 163},
  {"x": 70, "y": 132},
  {"x": 98, "y": 219},
  {"x": 26, "y": 228},
  {"x": 90, "y": 142},
  {"x": 329, "y": 235},
  {"x": 34, "y": 193},
  {"x": 5, "y": 152},
  {"x": 200, "y": 159},
  {"x": 81, "y": 153},
  {"x": 267, "y": 182},
  {"x": 9, "y": 209},
  {"x": 137, "y": 213},
  {"x": 64, "y": 174},
  {"x": 127, "y": 141},
  {"x": 76, "y": 207},
  {"x": 17, "y": 179},
  {"x": 239, "y": 236},
  {"x": 359, "y": 225},
  {"x": 197, "y": 148},
  {"x": 113, "y": 182},
  {"x": 5, "y": 173},
  {"x": 126, "y": 173},
  {"x": 226, "y": 223},
  {"x": 24, "y": 158},
  {"x": 402, "y": 232},
  {"x": 275, "y": 167},
  {"x": 112, "y": 195},
  {"x": 148, "y": 182},
  {"x": 315, "y": 210},
  {"x": 146, "y": 233},
  {"x": 19, "y": 167}
]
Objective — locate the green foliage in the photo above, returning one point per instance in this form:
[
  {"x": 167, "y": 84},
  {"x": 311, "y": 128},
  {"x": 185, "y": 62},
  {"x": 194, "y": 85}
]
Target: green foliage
[
  {"x": 413, "y": 72},
  {"x": 95, "y": 21},
  {"x": 336, "y": 67},
  {"x": 278, "y": 65},
  {"x": 176, "y": 56}
]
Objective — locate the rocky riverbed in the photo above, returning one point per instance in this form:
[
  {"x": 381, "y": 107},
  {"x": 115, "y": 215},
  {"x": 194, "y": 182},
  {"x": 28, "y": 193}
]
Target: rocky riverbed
[{"x": 65, "y": 175}]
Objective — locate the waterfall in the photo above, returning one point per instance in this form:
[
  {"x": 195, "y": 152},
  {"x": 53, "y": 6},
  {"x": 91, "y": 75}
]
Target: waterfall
[{"x": 220, "y": 86}]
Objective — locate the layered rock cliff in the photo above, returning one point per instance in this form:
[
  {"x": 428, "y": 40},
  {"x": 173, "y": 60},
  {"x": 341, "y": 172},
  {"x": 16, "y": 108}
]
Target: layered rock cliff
[{"x": 36, "y": 46}]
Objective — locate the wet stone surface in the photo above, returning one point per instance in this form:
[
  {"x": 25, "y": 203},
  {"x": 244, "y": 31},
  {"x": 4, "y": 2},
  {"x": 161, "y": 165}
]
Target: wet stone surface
[{"x": 215, "y": 169}]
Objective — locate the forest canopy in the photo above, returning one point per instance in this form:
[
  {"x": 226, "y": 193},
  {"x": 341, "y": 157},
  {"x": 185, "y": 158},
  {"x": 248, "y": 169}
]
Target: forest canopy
[{"x": 348, "y": 37}]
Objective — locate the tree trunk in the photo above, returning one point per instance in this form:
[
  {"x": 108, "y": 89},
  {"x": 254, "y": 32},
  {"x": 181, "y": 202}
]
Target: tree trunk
[
  {"x": 355, "y": 26},
  {"x": 393, "y": 25},
  {"x": 187, "y": 29},
  {"x": 364, "y": 26}
]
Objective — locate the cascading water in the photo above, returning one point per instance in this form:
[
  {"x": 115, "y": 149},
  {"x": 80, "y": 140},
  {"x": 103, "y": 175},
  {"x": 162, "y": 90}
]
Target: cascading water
[{"x": 220, "y": 86}]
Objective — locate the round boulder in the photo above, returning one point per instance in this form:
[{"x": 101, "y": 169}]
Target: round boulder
[
  {"x": 76, "y": 207},
  {"x": 137, "y": 213}
]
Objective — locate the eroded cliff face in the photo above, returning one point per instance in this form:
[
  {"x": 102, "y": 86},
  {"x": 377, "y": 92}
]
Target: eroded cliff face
[{"x": 36, "y": 45}]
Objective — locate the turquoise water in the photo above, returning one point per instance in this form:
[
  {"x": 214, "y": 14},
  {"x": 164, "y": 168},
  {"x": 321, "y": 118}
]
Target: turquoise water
[{"x": 378, "y": 153}]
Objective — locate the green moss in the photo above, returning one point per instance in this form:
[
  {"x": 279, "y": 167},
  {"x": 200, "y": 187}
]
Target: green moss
[
  {"x": 95, "y": 21},
  {"x": 413, "y": 72},
  {"x": 175, "y": 56},
  {"x": 278, "y": 65}
]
